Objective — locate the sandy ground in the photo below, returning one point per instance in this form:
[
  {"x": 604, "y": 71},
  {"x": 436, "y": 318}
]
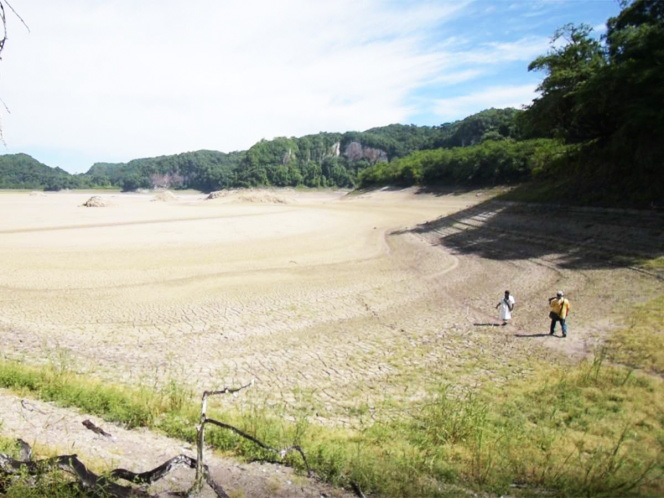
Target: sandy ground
[{"x": 341, "y": 307}]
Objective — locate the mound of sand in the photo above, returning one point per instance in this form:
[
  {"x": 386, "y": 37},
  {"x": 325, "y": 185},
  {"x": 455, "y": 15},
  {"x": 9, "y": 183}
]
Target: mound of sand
[
  {"x": 165, "y": 196},
  {"x": 219, "y": 194},
  {"x": 37, "y": 194},
  {"x": 262, "y": 196},
  {"x": 250, "y": 195},
  {"x": 95, "y": 201}
]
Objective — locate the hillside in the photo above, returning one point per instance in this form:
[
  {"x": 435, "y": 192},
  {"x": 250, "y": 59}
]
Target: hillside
[
  {"x": 21, "y": 171},
  {"x": 320, "y": 160}
]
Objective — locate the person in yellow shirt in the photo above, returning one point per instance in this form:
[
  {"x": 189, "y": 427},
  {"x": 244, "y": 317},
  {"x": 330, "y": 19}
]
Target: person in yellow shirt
[{"x": 559, "y": 310}]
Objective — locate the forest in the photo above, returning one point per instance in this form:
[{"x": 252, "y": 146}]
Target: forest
[
  {"x": 593, "y": 135},
  {"x": 321, "y": 160}
]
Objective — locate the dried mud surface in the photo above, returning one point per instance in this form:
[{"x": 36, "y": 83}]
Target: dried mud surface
[{"x": 343, "y": 307}]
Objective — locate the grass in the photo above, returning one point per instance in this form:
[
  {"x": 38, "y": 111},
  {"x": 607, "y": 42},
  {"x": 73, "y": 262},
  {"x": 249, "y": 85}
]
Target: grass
[
  {"x": 655, "y": 264},
  {"x": 641, "y": 343},
  {"x": 595, "y": 429}
]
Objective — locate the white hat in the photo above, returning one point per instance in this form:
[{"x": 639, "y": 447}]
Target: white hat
[{"x": 559, "y": 293}]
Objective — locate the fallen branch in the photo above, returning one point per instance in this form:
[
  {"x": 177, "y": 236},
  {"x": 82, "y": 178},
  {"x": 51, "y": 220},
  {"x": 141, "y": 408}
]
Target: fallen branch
[
  {"x": 91, "y": 482},
  {"x": 155, "y": 474},
  {"x": 30, "y": 407},
  {"x": 201, "y": 472},
  {"x": 357, "y": 489},
  {"x": 99, "y": 485}
]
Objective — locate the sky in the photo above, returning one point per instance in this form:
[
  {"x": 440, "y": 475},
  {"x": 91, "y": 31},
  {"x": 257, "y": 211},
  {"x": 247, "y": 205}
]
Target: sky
[{"x": 113, "y": 80}]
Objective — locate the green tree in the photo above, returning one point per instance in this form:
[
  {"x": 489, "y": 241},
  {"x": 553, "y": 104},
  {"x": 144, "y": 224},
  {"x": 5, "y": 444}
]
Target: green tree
[
  {"x": 607, "y": 96},
  {"x": 635, "y": 82},
  {"x": 560, "y": 111},
  {"x": 134, "y": 182}
]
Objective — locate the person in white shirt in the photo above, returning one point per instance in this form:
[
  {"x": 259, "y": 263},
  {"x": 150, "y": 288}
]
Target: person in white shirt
[{"x": 507, "y": 305}]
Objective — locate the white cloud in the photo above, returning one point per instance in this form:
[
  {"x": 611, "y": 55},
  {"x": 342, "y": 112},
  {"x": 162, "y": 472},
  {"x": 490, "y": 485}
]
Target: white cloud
[
  {"x": 131, "y": 79},
  {"x": 455, "y": 108},
  {"x": 524, "y": 49},
  {"x": 124, "y": 79}
]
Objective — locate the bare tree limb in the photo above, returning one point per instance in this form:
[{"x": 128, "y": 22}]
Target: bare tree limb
[
  {"x": 3, "y": 19},
  {"x": 155, "y": 474},
  {"x": 200, "y": 436},
  {"x": 281, "y": 452},
  {"x": 219, "y": 491},
  {"x": 90, "y": 481},
  {"x": 24, "y": 403},
  {"x": 99, "y": 485},
  {"x": 357, "y": 489},
  {"x": 17, "y": 15}
]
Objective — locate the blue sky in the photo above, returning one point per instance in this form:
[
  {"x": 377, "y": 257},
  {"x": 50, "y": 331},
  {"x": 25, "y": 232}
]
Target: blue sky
[{"x": 115, "y": 80}]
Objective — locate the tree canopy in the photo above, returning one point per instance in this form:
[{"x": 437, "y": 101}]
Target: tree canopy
[{"x": 607, "y": 95}]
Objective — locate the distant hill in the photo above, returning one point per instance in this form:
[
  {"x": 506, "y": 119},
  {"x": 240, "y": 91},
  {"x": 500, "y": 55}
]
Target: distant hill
[
  {"x": 21, "y": 171},
  {"x": 320, "y": 160},
  {"x": 203, "y": 170}
]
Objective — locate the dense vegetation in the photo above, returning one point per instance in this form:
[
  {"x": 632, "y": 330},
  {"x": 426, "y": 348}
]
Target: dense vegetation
[
  {"x": 321, "y": 160},
  {"x": 491, "y": 162},
  {"x": 604, "y": 97},
  {"x": 22, "y": 171},
  {"x": 203, "y": 170}
]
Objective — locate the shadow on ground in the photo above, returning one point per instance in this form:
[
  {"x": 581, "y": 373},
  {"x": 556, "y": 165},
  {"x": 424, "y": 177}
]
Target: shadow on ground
[
  {"x": 534, "y": 335},
  {"x": 578, "y": 237}
]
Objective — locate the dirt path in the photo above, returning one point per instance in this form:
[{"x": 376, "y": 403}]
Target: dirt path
[{"x": 342, "y": 308}]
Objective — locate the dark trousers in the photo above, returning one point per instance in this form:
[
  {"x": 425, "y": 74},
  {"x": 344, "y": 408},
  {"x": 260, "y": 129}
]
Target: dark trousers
[{"x": 562, "y": 324}]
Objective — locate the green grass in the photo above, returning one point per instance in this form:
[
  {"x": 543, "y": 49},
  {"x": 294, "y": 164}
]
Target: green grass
[
  {"x": 657, "y": 263},
  {"x": 595, "y": 429},
  {"x": 641, "y": 343}
]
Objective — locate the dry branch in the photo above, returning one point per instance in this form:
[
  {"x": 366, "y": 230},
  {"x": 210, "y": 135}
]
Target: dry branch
[
  {"x": 201, "y": 471},
  {"x": 154, "y": 474},
  {"x": 281, "y": 452},
  {"x": 3, "y": 21},
  {"x": 91, "y": 482},
  {"x": 99, "y": 485},
  {"x": 30, "y": 407}
]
